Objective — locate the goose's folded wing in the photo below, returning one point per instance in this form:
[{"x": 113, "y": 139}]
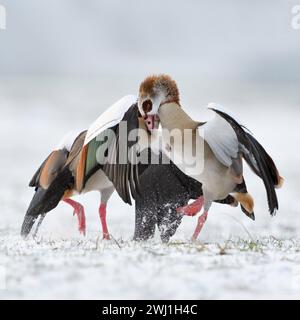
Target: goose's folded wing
[
  {"x": 108, "y": 147},
  {"x": 49, "y": 169},
  {"x": 256, "y": 157},
  {"x": 34, "y": 182},
  {"x": 56, "y": 160}
]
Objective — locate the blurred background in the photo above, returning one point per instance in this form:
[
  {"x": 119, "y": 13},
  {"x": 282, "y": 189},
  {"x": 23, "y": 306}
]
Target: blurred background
[{"x": 63, "y": 62}]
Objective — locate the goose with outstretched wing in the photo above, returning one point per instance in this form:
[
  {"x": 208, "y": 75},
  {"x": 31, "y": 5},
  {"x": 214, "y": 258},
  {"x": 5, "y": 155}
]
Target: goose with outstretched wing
[
  {"x": 80, "y": 165},
  {"x": 221, "y": 145}
]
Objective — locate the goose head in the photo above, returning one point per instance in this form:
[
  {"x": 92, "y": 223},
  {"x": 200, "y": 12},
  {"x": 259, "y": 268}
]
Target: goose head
[{"x": 154, "y": 92}]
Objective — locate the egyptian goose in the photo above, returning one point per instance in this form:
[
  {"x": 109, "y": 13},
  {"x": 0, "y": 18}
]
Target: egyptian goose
[
  {"x": 54, "y": 182},
  {"x": 79, "y": 165},
  {"x": 215, "y": 148},
  {"x": 73, "y": 168}
]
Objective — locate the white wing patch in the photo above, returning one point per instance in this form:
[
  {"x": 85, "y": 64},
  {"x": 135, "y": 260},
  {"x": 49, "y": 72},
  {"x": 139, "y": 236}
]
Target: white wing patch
[
  {"x": 109, "y": 118},
  {"x": 68, "y": 140},
  {"x": 221, "y": 138},
  {"x": 223, "y": 109}
]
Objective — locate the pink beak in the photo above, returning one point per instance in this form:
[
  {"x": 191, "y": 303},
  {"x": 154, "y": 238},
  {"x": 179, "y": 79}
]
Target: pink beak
[{"x": 152, "y": 122}]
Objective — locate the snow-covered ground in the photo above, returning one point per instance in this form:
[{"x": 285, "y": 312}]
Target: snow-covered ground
[
  {"x": 234, "y": 257},
  {"x": 92, "y": 269}
]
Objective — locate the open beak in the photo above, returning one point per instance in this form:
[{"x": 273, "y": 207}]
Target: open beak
[{"x": 152, "y": 122}]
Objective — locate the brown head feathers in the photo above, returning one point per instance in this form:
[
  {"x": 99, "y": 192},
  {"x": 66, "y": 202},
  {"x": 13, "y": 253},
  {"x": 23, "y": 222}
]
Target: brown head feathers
[{"x": 154, "y": 84}]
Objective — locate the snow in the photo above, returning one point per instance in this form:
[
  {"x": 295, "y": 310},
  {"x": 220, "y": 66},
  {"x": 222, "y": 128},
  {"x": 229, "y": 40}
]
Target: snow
[
  {"x": 234, "y": 257},
  {"x": 94, "y": 269}
]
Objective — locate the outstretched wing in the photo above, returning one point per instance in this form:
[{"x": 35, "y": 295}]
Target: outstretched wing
[
  {"x": 106, "y": 148},
  {"x": 254, "y": 154}
]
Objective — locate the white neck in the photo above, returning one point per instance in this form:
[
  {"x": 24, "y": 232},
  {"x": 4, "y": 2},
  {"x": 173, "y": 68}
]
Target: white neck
[{"x": 186, "y": 147}]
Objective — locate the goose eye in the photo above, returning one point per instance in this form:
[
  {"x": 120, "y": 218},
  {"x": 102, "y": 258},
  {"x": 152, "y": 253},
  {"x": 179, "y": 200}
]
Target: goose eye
[{"x": 147, "y": 106}]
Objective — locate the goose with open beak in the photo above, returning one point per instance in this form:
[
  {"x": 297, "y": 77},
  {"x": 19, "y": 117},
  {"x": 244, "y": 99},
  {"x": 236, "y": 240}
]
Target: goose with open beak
[
  {"x": 221, "y": 145},
  {"x": 75, "y": 167}
]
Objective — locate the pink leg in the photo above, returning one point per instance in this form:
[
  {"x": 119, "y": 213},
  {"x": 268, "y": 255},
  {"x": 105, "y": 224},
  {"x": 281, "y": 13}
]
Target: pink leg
[
  {"x": 79, "y": 211},
  {"x": 193, "y": 208},
  {"x": 200, "y": 224},
  {"x": 102, "y": 214}
]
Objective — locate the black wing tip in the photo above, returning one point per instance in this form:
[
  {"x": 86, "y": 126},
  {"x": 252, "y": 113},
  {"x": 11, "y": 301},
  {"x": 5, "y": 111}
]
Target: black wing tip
[
  {"x": 127, "y": 200},
  {"x": 44, "y": 200},
  {"x": 273, "y": 211},
  {"x": 35, "y": 208},
  {"x": 27, "y": 225},
  {"x": 250, "y": 215},
  {"x": 37, "y": 203}
]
